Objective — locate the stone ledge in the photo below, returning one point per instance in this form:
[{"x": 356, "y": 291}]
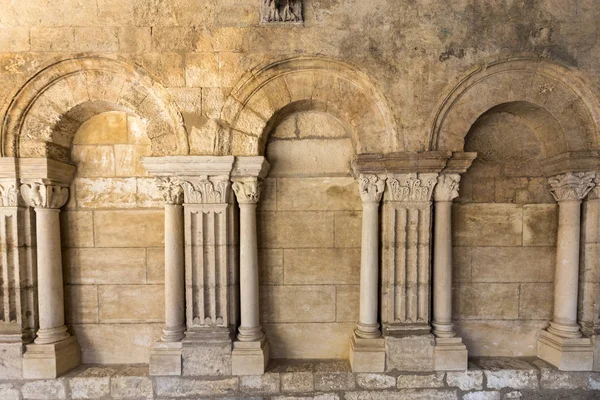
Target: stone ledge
[{"x": 486, "y": 378}]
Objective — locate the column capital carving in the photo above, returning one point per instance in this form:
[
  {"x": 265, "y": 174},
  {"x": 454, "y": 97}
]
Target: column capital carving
[
  {"x": 412, "y": 187},
  {"x": 447, "y": 187},
  {"x": 571, "y": 185},
  {"x": 247, "y": 191},
  {"x": 206, "y": 191},
  {"x": 40, "y": 194},
  {"x": 371, "y": 188},
  {"x": 171, "y": 190},
  {"x": 9, "y": 194}
]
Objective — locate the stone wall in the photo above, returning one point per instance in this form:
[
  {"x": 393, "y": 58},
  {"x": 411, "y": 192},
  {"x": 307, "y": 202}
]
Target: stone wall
[{"x": 113, "y": 253}]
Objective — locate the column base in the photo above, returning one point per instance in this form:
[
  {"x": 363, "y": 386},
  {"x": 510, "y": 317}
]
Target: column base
[
  {"x": 576, "y": 354},
  {"x": 49, "y": 361},
  {"x": 165, "y": 359},
  {"x": 450, "y": 354},
  {"x": 409, "y": 353},
  {"x": 250, "y": 358},
  {"x": 367, "y": 355},
  {"x": 207, "y": 351}
]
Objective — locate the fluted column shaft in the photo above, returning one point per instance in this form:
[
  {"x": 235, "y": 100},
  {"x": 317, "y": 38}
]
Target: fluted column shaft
[
  {"x": 47, "y": 200},
  {"x": 569, "y": 190},
  {"x": 248, "y": 193},
  {"x": 445, "y": 191},
  {"x": 371, "y": 190}
]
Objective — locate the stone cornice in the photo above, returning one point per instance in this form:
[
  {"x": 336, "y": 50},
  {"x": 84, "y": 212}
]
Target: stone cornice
[
  {"x": 574, "y": 161},
  {"x": 36, "y": 168},
  {"x": 257, "y": 166},
  {"x": 41, "y": 194},
  {"x": 186, "y": 166},
  {"x": 411, "y": 187},
  {"x": 413, "y": 162},
  {"x": 571, "y": 186},
  {"x": 247, "y": 191},
  {"x": 447, "y": 187},
  {"x": 371, "y": 188}
]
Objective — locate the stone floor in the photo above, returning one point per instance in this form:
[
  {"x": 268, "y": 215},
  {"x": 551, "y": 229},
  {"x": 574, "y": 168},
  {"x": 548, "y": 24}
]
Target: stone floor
[{"x": 487, "y": 378}]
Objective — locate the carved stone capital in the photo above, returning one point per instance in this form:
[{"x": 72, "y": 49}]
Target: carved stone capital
[
  {"x": 206, "y": 191},
  {"x": 571, "y": 186},
  {"x": 9, "y": 195},
  {"x": 447, "y": 187},
  {"x": 247, "y": 191},
  {"x": 44, "y": 195},
  {"x": 371, "y": 188},
  {"x": 412, "y": 187},
  {"x": 171, "y": 190}
]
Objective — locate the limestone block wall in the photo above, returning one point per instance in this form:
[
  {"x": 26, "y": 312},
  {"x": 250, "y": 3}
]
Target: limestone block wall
[
  {"x": 309, "y": 239},
  {"x": 112, "y": 238},
  {"x": 504, "y": 238}
]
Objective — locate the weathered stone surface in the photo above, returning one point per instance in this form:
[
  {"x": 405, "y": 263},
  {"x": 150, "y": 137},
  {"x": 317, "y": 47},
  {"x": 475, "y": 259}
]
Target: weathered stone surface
[
  {"x": 513, "y": 264},
  {"x": 185, "y": 387},
  {"x": 42, "y": 390},
  {"x": 81, "y": 304},
  {"x": 297, "y": 382},
  {"x": 9, "y": 392},
  {"x": 409, "y": 394},
  {"x": 482, "y": 396},
  {"x": 536, "y": 301},
  {"x": 328, "y": 340},
  {"x": 130, "y": 303},
  {"x": 90, "y": 387},
  {"x": 557, "y": 380},
  {"x": 421, "y": 381},
  {"x": 11, "y": 367},
  {"x": 487, "y": 225},
  {"x": 105, "y": 192},
  {"x": 128, "y": 228},
  {"x": 504, "y": 373},
  {"x": 347, "y": 229},
  {"x": 271, "y": 266},
  {"x": 486, "y": 301},
  {"x": 267, "y": 383},
  {"x": 281, "y": 229},
  {"x": 410, "y": 353},
  {"x": 539, "y": 224},
  {"x": 467, "y": 380},
  {"x": 77, "y": 229},
  {"x": 105, "y": 266},
  {"x": 94, "y": 161},
  {"x": 375, "y": 381},
  {"x": 155, "y": 267},
  {"x": 489, "y": 338},
  {"x": 294, "y": 194},
  {"x": 327, "y": 157},
  {"x": 347, "y": 303},
  {"x": 206, "y": 359},
  {"x": 332, "y": 381},
  {"x": 131, "y": 383}
]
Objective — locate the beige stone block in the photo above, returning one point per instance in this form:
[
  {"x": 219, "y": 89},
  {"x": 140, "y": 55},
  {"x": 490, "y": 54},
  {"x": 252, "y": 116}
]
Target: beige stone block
[
  {"x": 486, "y": 301},
  {"x": 490, "y": 338},
  {"x": 267, "y": 383},
  {"x": 44, "y": 389},
  {"x": 129, "y": 228},
  {"x": 136, "y": 131},
  {"x": 348, "y": 228},
  {"x": 81, "y": 304},
  {"x": 347, "y": 303},
  {"x": 206, "y": 359},
  {"x": 303, "y": 194},
  {"x": 155, "y": 268},
  {"x": 288, "y": 157},
  {"x": 93, "y": 160},
  {"x": 375, "y": 381},
  {"x": 327, "y": 341},
  {"x": 105, "y": 192},
  {"x": 98, "y": 38},
  {"x": 268, "y": 196},
  {"x": 466, "y": 380},
  {"x": 174, "y": 38},
  {"x": 310, "y": 125},
  {"x": 270, "y": 266},
  {"x": 540, "y": 224},
  {"x": 168, "y": 387},
  {"x": 168, "y": 68},
  {"x": 513, "y": 264},
  {"x": 297, "y": 304},
  {"x": 9, "y": 392},
  {"x": 409, "y": 353},
  {"x": 233, "y": 65},
  {"x": 95, "y": 266},
  {"x": 131, "y": 303},
  {"x": 188, "y": 100},
  {"x": 297, "y": 382},
  {"x": 15, "y": 38},
  {"x": 131, "y": 382},
  {"x": 106, "y": 128},
  {"x": 213, "y": 100},
  {"x": 329, "y": 381},
  {"x": 295, "y": 229},
  {"x": 483, "y": 190},
  {"x": 148, "y": 195},
  {"x": 421, "y": 381},
  {"x": 128, "y": 159},
  {"x": 134, "y": 39},
  {"x": 11, "y": 355},
  {"x": 52, "y": 38},
  {"x": 89, "y": 387},
  {"x": 321, "y": 266},
  {"x": 202, "y": 70},
  {"x": 116, "y": 343},
  {"x": 487, "y": 225},
  {"x": 536, "y": 301},
  {"x": 77, "y": 229},
  {"x": 461, "y": 264},
  {"x": 509, "y": 373}
]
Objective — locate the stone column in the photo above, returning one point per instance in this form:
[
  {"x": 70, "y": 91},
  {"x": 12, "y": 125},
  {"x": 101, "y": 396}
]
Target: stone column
[
  {"x": 367, "y": 349},
  {"x": 562, "y": 343},
  {"x": 165, "y": 359},
  {"x": 450, "y": 352},
  {"x": 54, "y": 351},
  {"x": 251, "y": 351},
  {"x": 210, "y": 253}
]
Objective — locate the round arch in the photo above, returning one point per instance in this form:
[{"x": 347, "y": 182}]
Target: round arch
[
  {"x": 556, "y": 103},
  {"x": 273, "y": 91},
  {"x": 46, "y": 112}
]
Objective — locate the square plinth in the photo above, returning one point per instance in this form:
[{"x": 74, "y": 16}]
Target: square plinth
[
  {"x": 48, "y": 361},
  {"x": 165, "y": 359},
  {"x": 367, "y": 355},
  {"x": 450, "y": 354},
  {"x": 566, "y": 354},
  {"x": 250, "y": 358}
]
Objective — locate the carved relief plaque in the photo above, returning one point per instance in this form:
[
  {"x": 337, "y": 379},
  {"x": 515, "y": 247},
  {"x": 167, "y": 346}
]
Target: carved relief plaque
[{"x": 274, "y": 11}]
